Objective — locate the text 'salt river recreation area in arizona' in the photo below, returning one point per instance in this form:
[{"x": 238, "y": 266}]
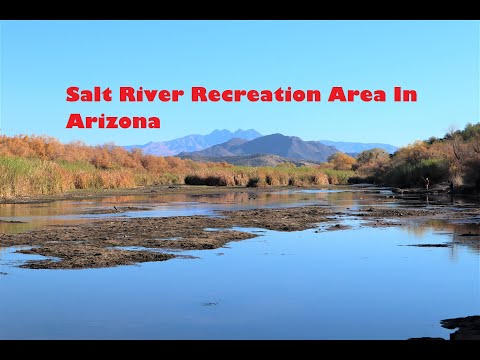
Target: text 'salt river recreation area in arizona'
[{"x": 239, "y": 180}]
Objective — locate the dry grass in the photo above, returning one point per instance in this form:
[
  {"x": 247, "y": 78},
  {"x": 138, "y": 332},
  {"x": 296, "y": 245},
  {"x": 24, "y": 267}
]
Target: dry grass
[
  {"x": 37, "y": 165},
  {"x": 265, "y": 176}
]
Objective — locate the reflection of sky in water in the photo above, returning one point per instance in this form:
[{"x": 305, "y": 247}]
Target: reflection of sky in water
[
  {"x": 68, "y": 211},
  {"x": 346, "y": 284},
  {"x": 350, "y": 284}
]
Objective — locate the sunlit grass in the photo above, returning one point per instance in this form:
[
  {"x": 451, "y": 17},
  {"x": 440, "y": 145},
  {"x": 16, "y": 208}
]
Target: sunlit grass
[
  {"x": 41, "y": 165},
  {"x": 26, "y": 177}
]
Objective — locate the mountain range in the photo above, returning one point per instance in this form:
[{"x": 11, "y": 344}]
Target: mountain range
[
  {"x": 250, "y": 160},
  {"x": 288, "y": 147},
  {"x": 356, "y": 147},
  {"x": 250, "y": 148},
  {"x": 194, "y": 142}
]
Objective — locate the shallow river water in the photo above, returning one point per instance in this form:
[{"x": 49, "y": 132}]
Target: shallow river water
[{"x": 359, "y": 283}]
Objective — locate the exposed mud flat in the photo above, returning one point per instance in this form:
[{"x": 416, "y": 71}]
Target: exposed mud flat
[
  {"x": 114, "y": 210},
  {"x": 143, "y": 190},
  {"x": 396, "y": 213},
  {"x": 115, "y": 237},
  {"x": 92, "y": 245},
  {"x": 100, "y": 243},
  {"x": 335, "y": 227},
  {"x": 79, "y": 256}
]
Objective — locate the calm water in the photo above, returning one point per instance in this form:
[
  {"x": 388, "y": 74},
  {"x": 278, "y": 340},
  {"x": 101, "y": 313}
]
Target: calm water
[{"x": 360, "y": 283}]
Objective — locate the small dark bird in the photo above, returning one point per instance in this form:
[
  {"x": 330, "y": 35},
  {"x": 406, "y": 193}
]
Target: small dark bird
[{"x": 115, "y": 208}]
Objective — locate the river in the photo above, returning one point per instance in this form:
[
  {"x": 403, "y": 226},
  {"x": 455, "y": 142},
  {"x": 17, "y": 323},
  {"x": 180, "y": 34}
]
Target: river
[{"x": 358, "y": 283}]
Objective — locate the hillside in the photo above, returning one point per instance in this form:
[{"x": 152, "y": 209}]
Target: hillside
[
  {"x": 225, "y": 149},
  {"x": 357, "y": 147},
  {"x": 289, "y": 147},
  {"x": 250, "y": 160},
  {"x": 194, "y": 142}
]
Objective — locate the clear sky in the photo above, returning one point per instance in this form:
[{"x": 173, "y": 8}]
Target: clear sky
[{"x": 439, "y": 59}]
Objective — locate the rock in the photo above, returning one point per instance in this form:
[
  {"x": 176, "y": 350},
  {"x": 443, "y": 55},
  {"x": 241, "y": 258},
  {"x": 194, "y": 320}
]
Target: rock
[{"x": 468, "y": 327}]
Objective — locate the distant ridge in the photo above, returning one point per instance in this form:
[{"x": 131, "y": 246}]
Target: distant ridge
[
  {"x": 250, "y": 160},
  {"x": 289, "y": 147},
  {"x": 356, "y": 147},
  {"x": 193, "y": 142},
  {"x": 196, "y": 142}
]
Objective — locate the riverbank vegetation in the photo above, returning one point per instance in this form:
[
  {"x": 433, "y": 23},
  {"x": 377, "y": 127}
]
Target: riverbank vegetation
[
  {"x": 454, "y": 157},
  {"x": 36, "y": 165}
]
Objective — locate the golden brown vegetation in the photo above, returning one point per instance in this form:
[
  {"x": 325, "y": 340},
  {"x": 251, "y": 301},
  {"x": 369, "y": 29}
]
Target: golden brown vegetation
[
  {"x": 342, "y": 161},
  {"x": 455, "y": 157},
  {"x": 34, "y": 165},
  {"x": 31, "y": 165}
]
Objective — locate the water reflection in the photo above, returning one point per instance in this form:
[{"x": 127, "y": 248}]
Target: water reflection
[
  {"x": 69, "y": 212},
  {"x": 464, "y": 234},
  {"x": 351, "y": 284},
  {"x": 361, "y": 283}
]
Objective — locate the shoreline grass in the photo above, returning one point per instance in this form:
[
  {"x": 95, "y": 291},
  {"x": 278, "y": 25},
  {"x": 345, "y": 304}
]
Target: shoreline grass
[
  {"x": 41, "y": 165},
  {"x": 33, "y": 176}
]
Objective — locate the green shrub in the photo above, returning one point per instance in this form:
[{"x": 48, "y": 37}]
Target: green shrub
[{"x": 407, "y": 175}]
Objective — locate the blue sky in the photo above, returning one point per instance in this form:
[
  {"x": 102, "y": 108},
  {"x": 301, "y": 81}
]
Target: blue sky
[{"x": 439, "y": 59}]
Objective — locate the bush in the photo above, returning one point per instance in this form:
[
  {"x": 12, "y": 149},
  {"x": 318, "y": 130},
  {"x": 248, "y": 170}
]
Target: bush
[
  {"x": 362, "y": 180},
  {"x": 407, "y": 175},
  {"x": 253, "y": 182},
  {"x": 472, "y": 173}
]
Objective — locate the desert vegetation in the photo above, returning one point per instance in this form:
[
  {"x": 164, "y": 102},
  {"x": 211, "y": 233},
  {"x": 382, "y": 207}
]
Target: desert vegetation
[
  {"x": 36, "y": 165},
  {"x": 454, "y": 157}
]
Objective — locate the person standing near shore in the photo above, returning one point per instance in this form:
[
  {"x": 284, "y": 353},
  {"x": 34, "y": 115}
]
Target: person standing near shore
[{"x": 427, "y": 183}]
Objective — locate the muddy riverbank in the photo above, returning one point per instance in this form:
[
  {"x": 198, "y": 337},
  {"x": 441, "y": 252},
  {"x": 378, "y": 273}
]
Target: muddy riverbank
[
  {"x": 302, "y": 248},
  {"x": 123, "y": 241},
  {"x": 143, "y": 190},
  {"x": 93, "y": 244}
]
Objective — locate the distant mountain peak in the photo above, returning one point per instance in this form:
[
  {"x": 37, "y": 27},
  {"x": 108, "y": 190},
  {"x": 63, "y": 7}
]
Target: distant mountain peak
[
  {"x": 248, "y": 131},
  {"x": 277, "y": 143},
  {"x": 223, "y": 131},
  {"x": 195, "y": 142},
  {"x": 235, "y": 141},
  {"x": 288, "y": 147}
]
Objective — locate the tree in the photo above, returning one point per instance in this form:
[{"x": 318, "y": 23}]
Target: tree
[
  {"x": 341, "y": 161},
  {"x": 413, "y": 153},
  {"x": 373, "y": 156}
]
